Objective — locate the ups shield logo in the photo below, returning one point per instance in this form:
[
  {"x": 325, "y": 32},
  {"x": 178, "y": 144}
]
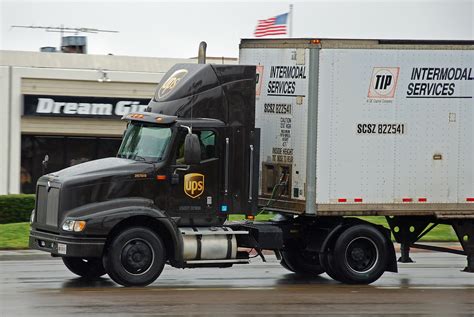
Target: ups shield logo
[
  {"x": 193, "y": 184},
  {"x": 170, "y": 83}
]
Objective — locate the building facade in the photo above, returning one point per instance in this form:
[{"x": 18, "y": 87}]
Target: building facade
[{"x": 67, "y": 107}]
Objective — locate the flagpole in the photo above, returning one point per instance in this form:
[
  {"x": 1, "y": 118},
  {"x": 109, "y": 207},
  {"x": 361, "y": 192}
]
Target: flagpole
[{"x": 290, "y": 22}]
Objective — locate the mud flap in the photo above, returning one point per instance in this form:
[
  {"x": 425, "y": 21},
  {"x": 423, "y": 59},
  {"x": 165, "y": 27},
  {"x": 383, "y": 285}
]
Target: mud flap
[{"x": 392, "y": 265}]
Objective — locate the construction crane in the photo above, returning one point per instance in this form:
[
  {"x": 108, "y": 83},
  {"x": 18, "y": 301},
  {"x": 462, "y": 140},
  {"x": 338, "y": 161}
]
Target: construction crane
[{"x": 63, "y": 30}]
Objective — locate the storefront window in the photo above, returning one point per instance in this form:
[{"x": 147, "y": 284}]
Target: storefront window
[
  {"x": 62, "y": 152},
  {"x": 78, "y": 152}
]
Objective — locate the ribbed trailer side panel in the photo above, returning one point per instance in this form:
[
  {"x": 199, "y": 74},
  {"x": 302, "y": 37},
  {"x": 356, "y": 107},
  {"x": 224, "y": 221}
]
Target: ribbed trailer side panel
[{"x": 395, "y": 126}]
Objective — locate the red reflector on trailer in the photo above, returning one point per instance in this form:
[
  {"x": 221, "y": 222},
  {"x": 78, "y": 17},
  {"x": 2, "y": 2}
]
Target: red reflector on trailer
[
  {"x": 422, "y": 200},
  {"x": 407, "y": 200},
  {"x": 342, "y": 200},
  {"x": 161, "y": 177},
  {"x": 470, "y": 199},
  {"x": 357, "y": 200}
]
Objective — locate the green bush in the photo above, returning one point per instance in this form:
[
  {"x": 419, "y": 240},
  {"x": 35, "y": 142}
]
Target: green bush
[{"x": 16, "y": 208}]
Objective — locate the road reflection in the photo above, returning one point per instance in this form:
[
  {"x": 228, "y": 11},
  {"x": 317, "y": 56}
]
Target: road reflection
[
  {"x": 295, "y": 279},
  {"x": 85, "y": 283}
]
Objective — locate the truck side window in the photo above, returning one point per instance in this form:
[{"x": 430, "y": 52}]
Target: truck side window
[
  {"x": 207, "y": 139},
  {"x": 208, "y": 144}
]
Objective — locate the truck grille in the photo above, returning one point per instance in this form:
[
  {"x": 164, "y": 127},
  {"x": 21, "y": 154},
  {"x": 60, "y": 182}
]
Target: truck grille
[{"x": 47, "y": 205}]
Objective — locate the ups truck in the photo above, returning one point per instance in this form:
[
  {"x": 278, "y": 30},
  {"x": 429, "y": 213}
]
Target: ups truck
[{"x": 316, "y": 131}]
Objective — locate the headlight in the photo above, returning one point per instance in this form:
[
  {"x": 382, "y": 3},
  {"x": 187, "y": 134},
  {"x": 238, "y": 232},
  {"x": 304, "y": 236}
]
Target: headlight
[
  {"x": 32, "y": 217},
  {"x": 74, "y": 225},
  {"x": 68, "y": 225}
]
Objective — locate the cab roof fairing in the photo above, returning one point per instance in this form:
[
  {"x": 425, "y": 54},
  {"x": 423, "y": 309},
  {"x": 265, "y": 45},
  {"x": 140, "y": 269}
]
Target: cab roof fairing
[{"x": 223, "y": 92}]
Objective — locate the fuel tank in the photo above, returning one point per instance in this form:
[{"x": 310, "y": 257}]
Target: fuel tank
[{"x": 213, "y": 243}]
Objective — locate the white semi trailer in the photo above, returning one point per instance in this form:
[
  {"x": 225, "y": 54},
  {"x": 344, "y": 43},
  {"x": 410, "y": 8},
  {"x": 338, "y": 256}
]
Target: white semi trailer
[{"x": 368, "y": 127}]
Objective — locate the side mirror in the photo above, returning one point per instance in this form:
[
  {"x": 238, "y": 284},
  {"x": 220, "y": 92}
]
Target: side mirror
[
  {"x": 44, "y": 163},
  {"x": 192, "y": 149}
]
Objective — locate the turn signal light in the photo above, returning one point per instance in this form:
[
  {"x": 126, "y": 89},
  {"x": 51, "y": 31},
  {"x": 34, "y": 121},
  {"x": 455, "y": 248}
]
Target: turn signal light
[
  {"x": 161, "y": 177},
  {"x": 250, "y": 217},
  {"x": 315, "y": 41},
  {"x": 79, "y": 225}
]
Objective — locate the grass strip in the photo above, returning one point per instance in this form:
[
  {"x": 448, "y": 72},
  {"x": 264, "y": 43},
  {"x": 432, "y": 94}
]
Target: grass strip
[
  {"x": 14, "y": 235},
  {"x": 441, "y": 233}
]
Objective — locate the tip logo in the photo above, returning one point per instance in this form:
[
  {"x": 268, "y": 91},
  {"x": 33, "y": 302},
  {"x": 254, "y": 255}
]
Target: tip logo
[
  {"x": 193, "y": 184},
  {"x": 171, "y": 83},
  {"x": 384, "y": 82}
]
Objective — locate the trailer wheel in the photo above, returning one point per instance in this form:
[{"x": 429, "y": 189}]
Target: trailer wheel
[
  {"x": 90, "y": 268},
  {"x": 135, "y": 257},
  {"x": 301, "y": 262},
  {"x": 360, "y": 254}
]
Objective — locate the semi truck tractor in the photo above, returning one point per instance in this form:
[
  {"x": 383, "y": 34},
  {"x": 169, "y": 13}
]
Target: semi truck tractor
[{"x": 318, "y": 132}]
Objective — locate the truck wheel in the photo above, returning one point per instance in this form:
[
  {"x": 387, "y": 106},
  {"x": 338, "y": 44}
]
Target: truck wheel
[
  {"x": 90, "y": 268},
  {"x": 327, "y": 262},
  {"x": 283, "y": 263},
  {"x": 135, "y": 257},
  {"x": 360, "y": 254},
  {"x": 303, "y": 263}
]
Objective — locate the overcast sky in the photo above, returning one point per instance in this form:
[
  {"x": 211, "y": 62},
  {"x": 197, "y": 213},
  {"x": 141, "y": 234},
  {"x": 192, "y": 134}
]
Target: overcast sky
[{"x": 174, "y": 29}]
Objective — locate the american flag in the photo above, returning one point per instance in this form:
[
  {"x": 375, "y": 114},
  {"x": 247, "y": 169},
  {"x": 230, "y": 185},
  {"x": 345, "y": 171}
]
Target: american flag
[{"x": 272, "y": 26}]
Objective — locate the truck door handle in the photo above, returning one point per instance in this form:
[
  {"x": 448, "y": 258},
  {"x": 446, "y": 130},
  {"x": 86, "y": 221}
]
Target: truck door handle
[
  {"x": 251, "y": 173},
  {"x": 226, "y": 172},
  {"x": 175, "y": 175}
]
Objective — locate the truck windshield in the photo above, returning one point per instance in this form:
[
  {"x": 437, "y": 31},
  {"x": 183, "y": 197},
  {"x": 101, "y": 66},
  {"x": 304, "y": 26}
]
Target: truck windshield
[{"x": 144, "y": 142}]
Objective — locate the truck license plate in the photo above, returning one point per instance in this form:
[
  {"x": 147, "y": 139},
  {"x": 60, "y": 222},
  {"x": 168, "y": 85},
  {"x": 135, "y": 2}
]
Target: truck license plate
[{"x": 62, "y": 248}]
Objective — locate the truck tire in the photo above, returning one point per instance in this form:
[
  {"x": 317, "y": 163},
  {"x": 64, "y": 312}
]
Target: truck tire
[
  {"x": 283, "y": 263},
  {"x": 360, "y": 254},
  {"x": 90, "y": 268},
  {"x": 135, "y": 257},
  {"x": 327, "y": 262},
  {"x": 301, "y": 263}
]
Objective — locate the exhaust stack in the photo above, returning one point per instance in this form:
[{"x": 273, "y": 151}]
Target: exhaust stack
[{"x": 202, "y": 53}]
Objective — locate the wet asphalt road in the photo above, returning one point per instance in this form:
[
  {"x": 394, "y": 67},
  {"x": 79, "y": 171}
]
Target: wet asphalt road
[{"x": 32, "y": 285}]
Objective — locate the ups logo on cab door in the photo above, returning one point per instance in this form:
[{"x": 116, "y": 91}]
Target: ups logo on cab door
[{"x": 193, "y": 184}]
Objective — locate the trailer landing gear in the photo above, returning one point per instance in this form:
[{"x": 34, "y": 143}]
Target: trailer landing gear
[
  {"x": 465, "y": 232},
  {"x": 407, "y": 230}
]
